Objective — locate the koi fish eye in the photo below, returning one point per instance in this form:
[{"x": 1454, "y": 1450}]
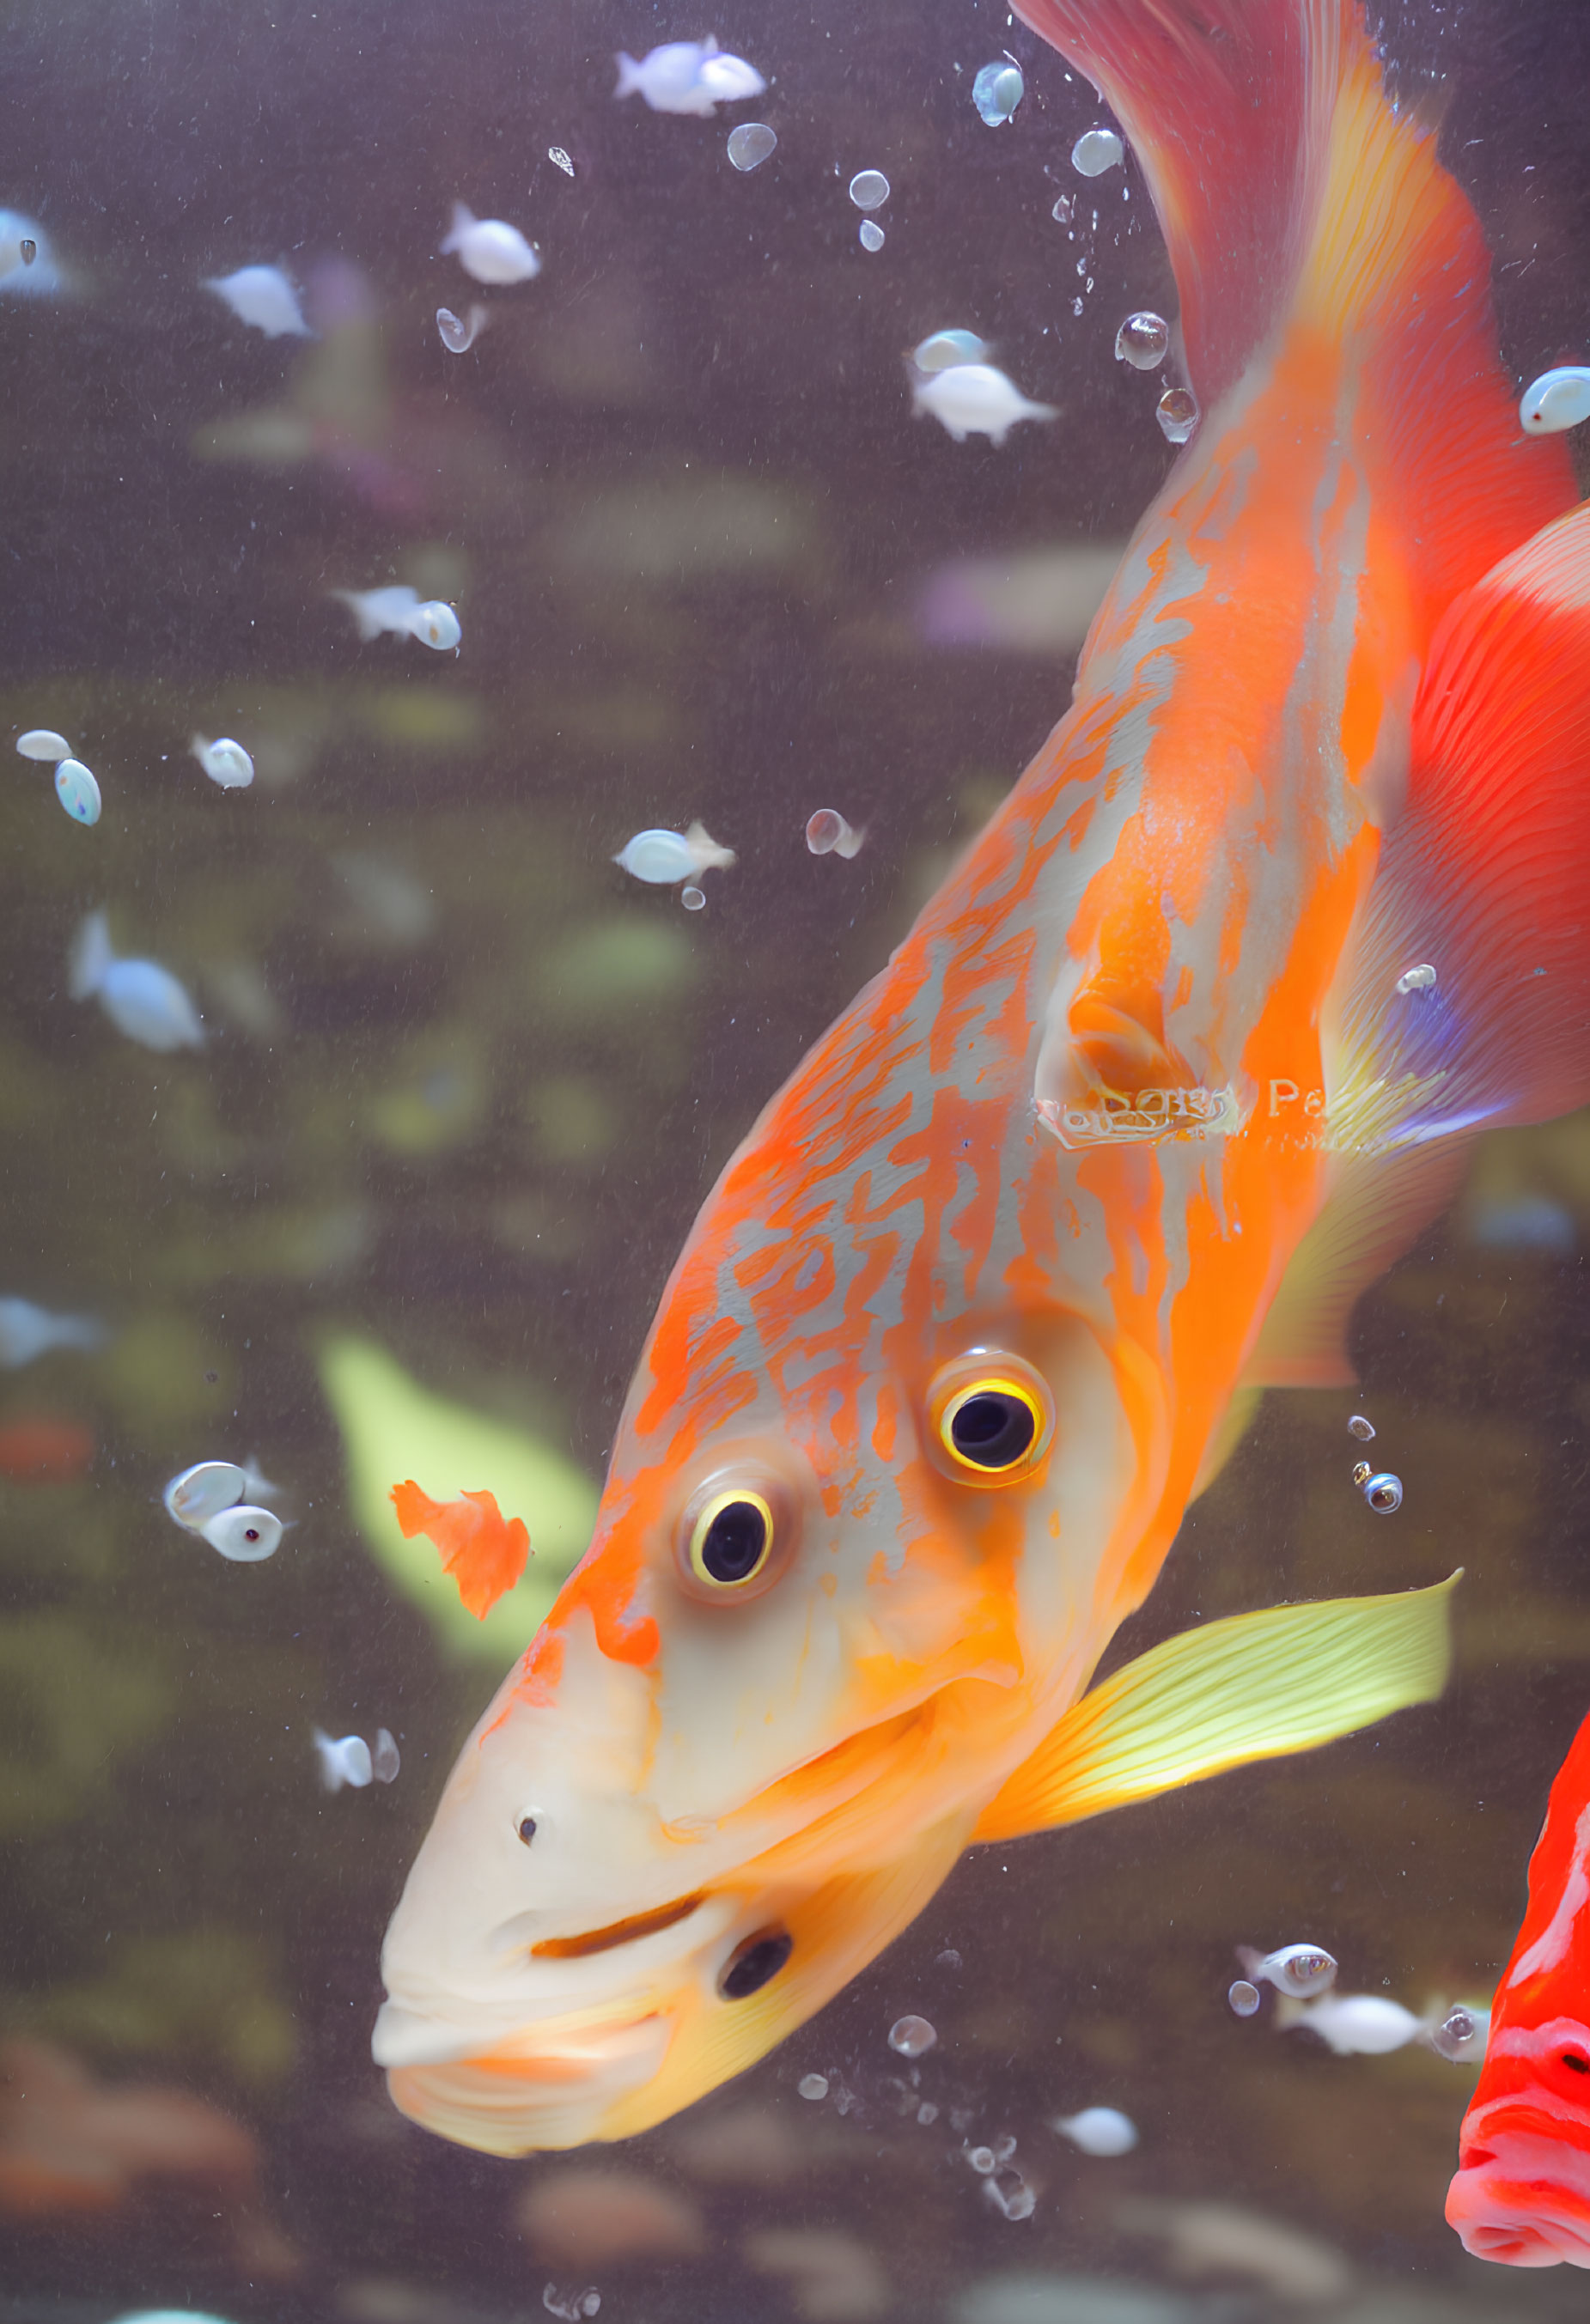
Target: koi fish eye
[
  {"x": 755, "y": 1963},
  {"x": 525, "y": 1827},
  {"x": 991, "y": 1417},
  {"x": 727, "y": 1539},
  {"x": 1576, "y": 2062}
]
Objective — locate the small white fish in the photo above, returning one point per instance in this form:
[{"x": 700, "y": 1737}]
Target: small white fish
[
  {"x": 385, "y": 1761},
  {"x": 943, "y": 350},
  {"x": 689, "y": 77},
  {"x": 244, "y": 1534},
  {"x": 1297, "y": 1969},
  {"x": 458, "y": 337},
  {"x": 399, "y": 610},
  {"x": 27, "y": 1332},
  {"x": 489, "y": 250},
  {"x": 663, "y": 858},
  {"x": 198, "y": 1494},
  {"x": 1098, "y": 2130},
  {"x": 45, "y": 744},
  {"x": 976, "y": 400},
  {"x": 225, "y": 762},
  {"x": 27, "y": 264},
  {"x": 263, "y": 297},
  {"x": 828, "y": 834},
  {"x": 1354, "y": 2025},
  {"x": 142, "y": 998},
  {"x": 1557, "y": 399},
  {"x": 343, "y": 1760},
  {"x": 78, "y": 792}
]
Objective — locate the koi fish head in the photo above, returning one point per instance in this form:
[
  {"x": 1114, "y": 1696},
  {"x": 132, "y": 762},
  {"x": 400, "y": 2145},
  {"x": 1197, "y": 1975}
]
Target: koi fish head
[
  {"x": 812, "y": 1635},
  {"x": 1522, "y": 2193}
]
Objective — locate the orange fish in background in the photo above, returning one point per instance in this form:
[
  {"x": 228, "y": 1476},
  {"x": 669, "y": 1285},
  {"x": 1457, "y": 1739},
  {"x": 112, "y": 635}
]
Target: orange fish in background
[
  {"x": 1521, "y": 2193},
  {"x": 38, "y": 1448},
  {"x": 1140, "y": 1104},
  {"x": 484, "y": 1550}
]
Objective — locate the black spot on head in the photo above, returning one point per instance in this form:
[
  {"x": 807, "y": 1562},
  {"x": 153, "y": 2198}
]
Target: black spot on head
[
  {"x": 1574, "y": 2063},
  {"x": 755, "y": 1963}
]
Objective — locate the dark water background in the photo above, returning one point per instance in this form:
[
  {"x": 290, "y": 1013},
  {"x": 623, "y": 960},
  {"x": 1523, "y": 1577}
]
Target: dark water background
[{"x": 467, "y": 1084}]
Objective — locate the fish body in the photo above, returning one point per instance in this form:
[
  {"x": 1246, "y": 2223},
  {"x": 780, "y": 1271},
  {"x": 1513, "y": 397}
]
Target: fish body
[
  {"x": 1521, "y": 2191},
  {"x": 689, "y": 77},
  {"x": 143, "y": 999},
  {"x": 28, "y": 1331},
  {"x": 265, "y": 298},
  {"x": 489, "y": 250},
  {"x": 663, "y": 858},
  {"x": 399, "y": 611},
  {"x": 225, "y": 762},
  {"x": 976, "y": 399},
  {"x": 1112, "y": 1142},
  {"x": 1354, "y": 2025}
]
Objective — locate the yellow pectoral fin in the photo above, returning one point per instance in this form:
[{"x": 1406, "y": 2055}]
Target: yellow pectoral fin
[{"x": 1287, "y": 1679}]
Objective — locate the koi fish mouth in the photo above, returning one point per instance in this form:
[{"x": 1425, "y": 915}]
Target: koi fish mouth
[{"x": 1524, "y": 2202}]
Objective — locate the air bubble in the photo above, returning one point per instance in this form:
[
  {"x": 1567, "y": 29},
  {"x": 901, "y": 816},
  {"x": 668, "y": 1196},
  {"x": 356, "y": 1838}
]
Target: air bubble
[
  {"x": 828, "y": 834},
  {"x": 1096, "y": 150},
  {"x": 926, "y": 2112},
  {"x": 560, "y": 159},
  {"x": 1176, "y": 412},
  {"x": 1243, "y": 1997},
  {"x": 942, "y": 350},
  {"x": 694, "y": 900},
  {"x": 871, "y": 236},
  {"x": 385, "y": 1761},
  {"x": 1143, "y": 340},
  {"x": 949, "y": 1959},
  {"x": 982, "y": 2159},
  {"x": 813, "y": 2085},
  {"x": 750, "y": 144},
  {"x": 1009, "y": 2193},
  {"x": 869, "y": 189},
  {"x": 28, "y": 249},
  {"x": 1383, "y": 1492},
  {"x": 1064, "y": 210},
  {"x": 1362, "y": 1473},
  {"x": 913, "y": 2037},
  {"x": 459, "y": 335},
  {"x": 43, "y": 743},
  {"x": 1461, "y": 2033},
  {"x": 997, "y": 91},
  {"x": 1417, "y": 980},
  {"x": 1360, "y": 1428}
]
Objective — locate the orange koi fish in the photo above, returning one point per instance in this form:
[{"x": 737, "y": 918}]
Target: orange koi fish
[
  {"x": 1521, "y": 2191},
  {"x": 1142, "y": 1103},
  {"x": 484, "y": 1550}
]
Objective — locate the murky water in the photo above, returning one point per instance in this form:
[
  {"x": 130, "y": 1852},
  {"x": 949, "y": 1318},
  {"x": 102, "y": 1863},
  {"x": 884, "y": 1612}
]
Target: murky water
[{"x": 464, "y": 1082}]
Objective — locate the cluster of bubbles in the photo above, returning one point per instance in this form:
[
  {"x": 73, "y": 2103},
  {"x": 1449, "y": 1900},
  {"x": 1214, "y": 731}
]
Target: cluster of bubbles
[
  {"x": 75, "y": 785},
  {"x": 571, "y": 2306},
  {"x": 208, "y": 1499},
  {"x": 350, "y": 1759},
  {"x": 869, "y": 190},
  {"x": 1379, "y": 1487}
]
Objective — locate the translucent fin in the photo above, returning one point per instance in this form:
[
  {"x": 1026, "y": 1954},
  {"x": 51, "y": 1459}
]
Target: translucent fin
[
  {"x": 1486, "y": 876},
  {"x": 1377, "y": 1207},
  {"x": 1239, "y": 1413},
  {"x": 1287, "y": 1679}
]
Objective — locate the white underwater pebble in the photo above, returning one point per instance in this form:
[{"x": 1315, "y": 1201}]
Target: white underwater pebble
[{"x": 43, "y": 743}]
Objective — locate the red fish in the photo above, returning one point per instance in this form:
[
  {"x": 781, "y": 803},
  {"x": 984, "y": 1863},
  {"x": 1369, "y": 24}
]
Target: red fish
[
  {"x": 1522, "y": 2193},
  {"x": 483, "y": 1550},
  {"x": 36, "y": 1448}
]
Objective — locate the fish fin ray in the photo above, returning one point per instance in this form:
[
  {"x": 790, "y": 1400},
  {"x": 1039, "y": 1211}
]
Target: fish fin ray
[
  {"x": 1485, "y": 873},
  {"x": 1234, "y": 1423},
  {"x": 1377, "y": 1207},
  {"x": 1287, "y": 1679}
]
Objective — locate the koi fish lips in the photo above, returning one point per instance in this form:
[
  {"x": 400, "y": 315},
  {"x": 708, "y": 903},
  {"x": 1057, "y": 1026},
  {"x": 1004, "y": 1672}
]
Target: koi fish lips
[{"x": 1523, "y": 2195}]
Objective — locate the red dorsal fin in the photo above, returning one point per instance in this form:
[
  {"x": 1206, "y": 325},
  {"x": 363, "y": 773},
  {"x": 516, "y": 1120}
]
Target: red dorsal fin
[
  {"x": 484, "y": 1550},
  {"x": 1215, "y": 97},
  {"x": 1484, "y": 877}
]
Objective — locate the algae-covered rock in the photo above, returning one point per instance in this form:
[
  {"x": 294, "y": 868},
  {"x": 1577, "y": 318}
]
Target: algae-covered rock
[{"x": 392, "y": 1428}]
